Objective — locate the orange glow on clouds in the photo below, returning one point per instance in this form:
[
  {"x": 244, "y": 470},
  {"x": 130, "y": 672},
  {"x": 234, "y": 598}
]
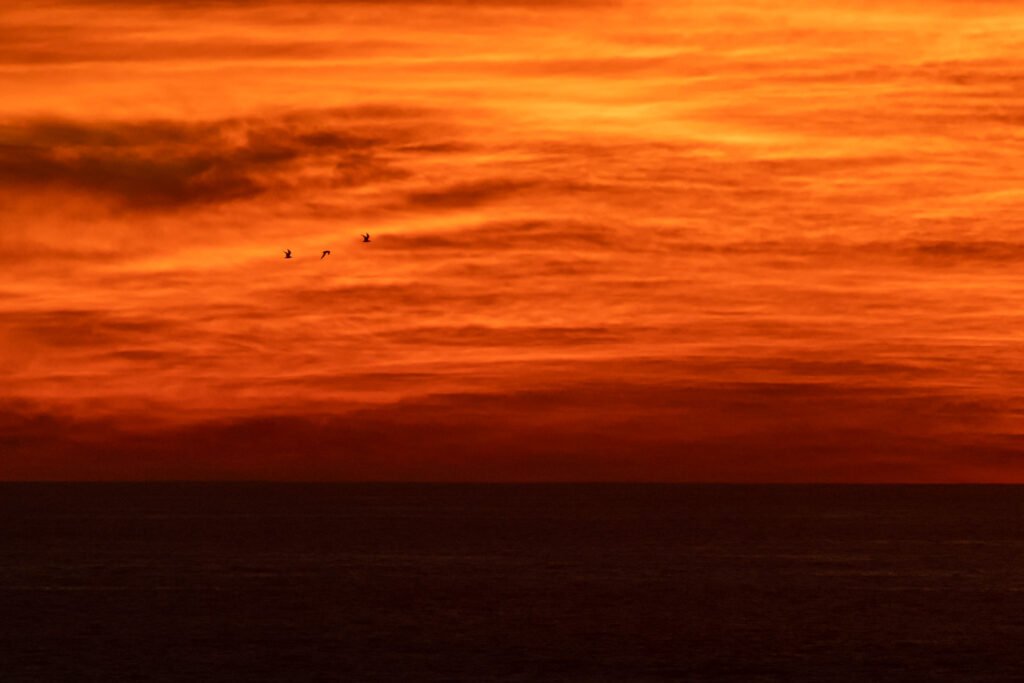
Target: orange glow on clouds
[{"x": 738, "y": 241}]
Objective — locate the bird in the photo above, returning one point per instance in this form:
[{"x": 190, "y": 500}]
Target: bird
[
  {"x": 327, "y": 252},
  {"x": 287, "y": 253},
  {"x": 366, "y": 237}
]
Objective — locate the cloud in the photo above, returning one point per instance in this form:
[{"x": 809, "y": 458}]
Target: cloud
[
  {"x": 599, "y": 431},
  {"x": 966, "y": 250},
  {"x": 786, "y": 251},
  {"x": 482, "y": 336},
  {"x": 136, "y": 181},
  {"x": 59, "y": 45},
  {"x": 256, "y": 4},
  {"x": 152, "y": 165},
  {"x": 467, "y": 194},
  {"x": 505, "y": 235},
  {"x": 78, "y": 328}
]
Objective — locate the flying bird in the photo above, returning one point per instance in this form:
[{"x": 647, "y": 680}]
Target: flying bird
[
  {"x": 287, "y": 253},
  {"x": 366, "y": 237},
  {"x": 327, "y": 252}
]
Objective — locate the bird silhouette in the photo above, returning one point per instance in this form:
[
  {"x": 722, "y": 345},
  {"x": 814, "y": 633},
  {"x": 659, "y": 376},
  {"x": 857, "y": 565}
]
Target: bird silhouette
[
  {"x": 287, "y": 253},
  {"x": 327, "y": 252},
  {"x": 366, "y": 237}
]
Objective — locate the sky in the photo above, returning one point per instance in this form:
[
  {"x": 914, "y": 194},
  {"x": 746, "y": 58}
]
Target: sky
[{"x": 744, "y": 241}]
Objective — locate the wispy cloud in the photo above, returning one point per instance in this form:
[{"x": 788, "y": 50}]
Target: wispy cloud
[
  {"x": 632, "y": 240},
  {"x": 170, "y": 165},
  {"x": 709, "y": 432}
]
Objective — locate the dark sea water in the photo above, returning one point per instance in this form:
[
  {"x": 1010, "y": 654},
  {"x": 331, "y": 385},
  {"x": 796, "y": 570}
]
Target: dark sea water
[{"x": 254, "y": 582}]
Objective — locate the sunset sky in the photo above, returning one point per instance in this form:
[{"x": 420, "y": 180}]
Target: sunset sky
[{"x": 746, "y": 240}]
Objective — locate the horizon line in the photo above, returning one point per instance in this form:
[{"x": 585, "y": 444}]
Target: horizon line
[{"x": 384, "y": 482}]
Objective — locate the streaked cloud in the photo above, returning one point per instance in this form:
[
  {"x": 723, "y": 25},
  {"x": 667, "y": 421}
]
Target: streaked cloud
[{"x": 636, "y": 240}]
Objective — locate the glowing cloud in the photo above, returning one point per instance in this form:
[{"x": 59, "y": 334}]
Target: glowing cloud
[{"x": 671, "y": 241}]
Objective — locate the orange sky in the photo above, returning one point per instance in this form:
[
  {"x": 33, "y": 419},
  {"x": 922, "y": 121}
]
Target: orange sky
[{"x": 733, "y": 241}]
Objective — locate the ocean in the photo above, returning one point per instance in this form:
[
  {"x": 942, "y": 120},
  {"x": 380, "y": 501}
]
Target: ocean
[{"x": 479, "y": 583}]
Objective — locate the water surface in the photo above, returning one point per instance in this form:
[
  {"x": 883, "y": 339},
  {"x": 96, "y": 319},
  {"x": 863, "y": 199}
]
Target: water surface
[{"x": 510, "y": 582}]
